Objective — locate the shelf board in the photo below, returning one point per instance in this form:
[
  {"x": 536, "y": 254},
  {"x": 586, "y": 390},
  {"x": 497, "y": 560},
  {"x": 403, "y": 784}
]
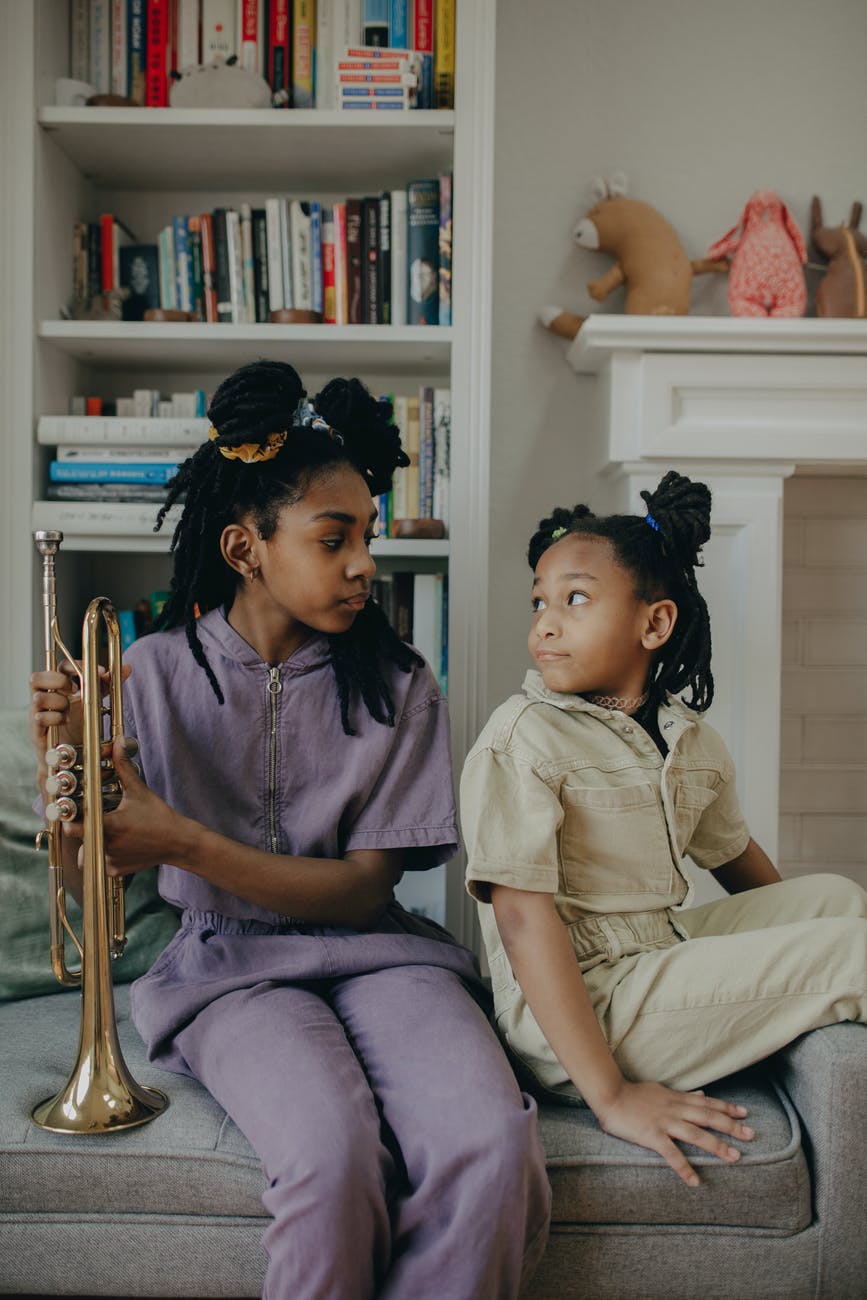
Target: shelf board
[
  {"x": 136, "y": 345},
  {"x": 128, "y": 526},
  {"x": 174, "y": 148}
]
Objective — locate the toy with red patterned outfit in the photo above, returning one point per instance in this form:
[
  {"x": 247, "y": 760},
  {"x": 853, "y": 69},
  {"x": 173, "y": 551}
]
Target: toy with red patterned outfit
[{"x": 767, "y": 251}]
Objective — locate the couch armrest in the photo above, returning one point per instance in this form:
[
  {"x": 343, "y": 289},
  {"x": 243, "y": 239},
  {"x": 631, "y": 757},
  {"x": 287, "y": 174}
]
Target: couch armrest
[{"x": 825, "y": 1075}]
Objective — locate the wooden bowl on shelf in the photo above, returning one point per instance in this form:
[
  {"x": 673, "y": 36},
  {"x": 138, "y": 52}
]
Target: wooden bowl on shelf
[{"x": 431, "y": 529}]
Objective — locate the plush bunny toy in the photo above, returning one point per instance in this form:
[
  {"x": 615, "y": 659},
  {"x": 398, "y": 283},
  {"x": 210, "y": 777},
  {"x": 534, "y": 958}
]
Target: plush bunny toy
[{"x": 768, "y": 252}]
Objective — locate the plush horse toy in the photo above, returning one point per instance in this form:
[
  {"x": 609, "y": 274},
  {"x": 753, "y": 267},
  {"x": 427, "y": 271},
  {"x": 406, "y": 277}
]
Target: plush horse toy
[
  {"x": 843, "y": 289},
  {"x": 649, "y": 259},
  {"x": 766, "y": 276}
]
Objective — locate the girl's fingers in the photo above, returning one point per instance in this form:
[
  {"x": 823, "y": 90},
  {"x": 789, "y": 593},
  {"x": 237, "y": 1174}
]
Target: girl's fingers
[
  {"x": 720, "y": 1120},
  {"x": 673, "y": 1156},
  {"x": 699, "y": 1137}
]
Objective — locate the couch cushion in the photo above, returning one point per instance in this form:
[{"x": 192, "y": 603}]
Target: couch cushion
[
  {"x": 25, "y": 969},
  {"x": 191, "y": 1159},
  {"x": 597, "y": 1179}
]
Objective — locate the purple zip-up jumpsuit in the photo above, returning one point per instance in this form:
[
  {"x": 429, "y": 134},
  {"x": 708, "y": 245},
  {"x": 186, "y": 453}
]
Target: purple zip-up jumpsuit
[{"x": 401, "y": 1158}]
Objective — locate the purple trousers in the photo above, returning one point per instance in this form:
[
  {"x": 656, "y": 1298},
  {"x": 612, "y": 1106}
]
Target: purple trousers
[{"x": 402, "y": 1160}]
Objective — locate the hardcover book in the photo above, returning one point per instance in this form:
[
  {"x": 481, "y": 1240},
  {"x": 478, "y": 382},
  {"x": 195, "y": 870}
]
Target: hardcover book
[
  {"x": 303, "y": 47},
  {"x": 445, "y": 250},
  {"x": 370, "y": 236},
  {"x": 423, "y": 220},
  {"x": 354, "y": 263},
  {"x": 139, "y": 272},
  {"x": 383, "y": 311}
]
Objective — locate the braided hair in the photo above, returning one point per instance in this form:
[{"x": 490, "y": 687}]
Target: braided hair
[
  {"x": 661, "y": 550},
  {"x": 260, "y": 399}
]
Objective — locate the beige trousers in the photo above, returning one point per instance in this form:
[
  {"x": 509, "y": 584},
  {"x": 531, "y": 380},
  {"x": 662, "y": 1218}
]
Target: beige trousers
[{"x": 755, "y": 971}]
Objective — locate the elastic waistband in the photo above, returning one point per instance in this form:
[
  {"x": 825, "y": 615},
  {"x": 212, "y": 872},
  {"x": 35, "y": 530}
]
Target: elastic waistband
[
  {"x": 217, "y": 923},
  {"x": 605, "y": 938}
]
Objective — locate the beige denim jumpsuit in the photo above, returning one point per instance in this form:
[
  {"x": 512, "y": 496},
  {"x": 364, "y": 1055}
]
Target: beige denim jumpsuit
[{"x": 571, "y": 799}]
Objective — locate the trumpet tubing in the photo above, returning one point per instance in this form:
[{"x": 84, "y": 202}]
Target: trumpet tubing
[{"x": 100, "y": 1094}]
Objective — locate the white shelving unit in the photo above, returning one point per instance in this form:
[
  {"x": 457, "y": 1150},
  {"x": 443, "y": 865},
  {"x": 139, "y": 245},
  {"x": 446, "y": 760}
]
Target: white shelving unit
[{"x": 145, "y": 164}]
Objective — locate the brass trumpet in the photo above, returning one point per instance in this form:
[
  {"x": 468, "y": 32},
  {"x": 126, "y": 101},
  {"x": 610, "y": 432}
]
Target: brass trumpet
[{"x": 100, "y": 1094}]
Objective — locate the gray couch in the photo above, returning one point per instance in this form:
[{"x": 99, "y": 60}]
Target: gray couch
[{"x": 174, "y": 1209}]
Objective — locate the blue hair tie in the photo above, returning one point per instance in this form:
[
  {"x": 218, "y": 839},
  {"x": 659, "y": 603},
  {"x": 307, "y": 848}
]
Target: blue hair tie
[
  {"x": 649, "y": 519},
  {"x": 307, "y": 417}
]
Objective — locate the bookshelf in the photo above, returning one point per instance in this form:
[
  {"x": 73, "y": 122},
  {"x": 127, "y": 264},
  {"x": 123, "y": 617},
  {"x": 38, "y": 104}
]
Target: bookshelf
[{"x": 57, "y": 164}]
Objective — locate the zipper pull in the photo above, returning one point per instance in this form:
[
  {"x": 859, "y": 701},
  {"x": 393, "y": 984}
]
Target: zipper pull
[{"x": 275, "y": 686}]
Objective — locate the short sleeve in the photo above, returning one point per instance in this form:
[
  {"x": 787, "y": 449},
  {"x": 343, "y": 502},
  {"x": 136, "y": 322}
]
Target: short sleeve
[
  {"x": 511, "y": 821},
  {"x": 412, "y": 804},
  {"x": 721, "y": 833}
]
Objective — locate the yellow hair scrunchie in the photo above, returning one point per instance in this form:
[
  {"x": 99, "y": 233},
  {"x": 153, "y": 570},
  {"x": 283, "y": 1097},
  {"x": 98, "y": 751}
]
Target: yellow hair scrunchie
[{"x": 251, "y": 452}]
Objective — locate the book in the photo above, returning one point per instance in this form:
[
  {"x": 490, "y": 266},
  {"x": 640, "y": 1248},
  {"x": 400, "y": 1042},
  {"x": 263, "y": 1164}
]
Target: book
[
  {"x": 302, "y": 279},
  {"x": 444, "y": 54},
  {"x": 279, "y": 67},
  {"x": 123, "y": 430},
  {"x": 248, "y": 275},
  {"x": 374, "y": 22},
  {"x": 79, "y": 471},
  {"x": 250, "y": 30},
  {"x": 221, "y": 266},
  {"x": 370, "y": 239},
  {"x": 340, "y": 298},
  {"x": 166, "y": 262},
  {"x": 275, "y": 256},
  {"x": 156, "y": 53},
  {"x": 316, "y": 254},
  {"x": 398, "y": 257},
  {"x": 398, "y": 24},
  {"x": 189, "y": 52},
  {"x": 442, "y": 432},
  {"x": 79, "y": 40},
  {"x": 383, "y": 304},
  {"x": 287, "y": 274},
  {"x": 303, "y": 45},
  {"x": 444, "y": 274},
  {"x": 354, "y": 262},
  {"x": 362, "y": 77},
  {"x": 236, "y": 266},
  {"x": 209, "y": 268},
  {"x": 197, "y": 274},
  {"x": 423, "y": 44},
  {"x": 323, "y": 81},
  {"x": 261, "y": 286},
  {"x": 219, "y": 30},
  {"x": 136, "y": 50},
  {"x": 113, "y": 235},
  {"x": 329, "y": 289},
  {"x": 121, "y": 492},
  {"x": 411, "y": 439},
  {"x": 425, "y": 452},
  {"x": 423, "y": 220},
  {"x": 427, "y": 618},
  {"x": 103, "y": 519},
  {"x": 119, "y": 56},
  {"x": 376, "y": 102},
  {"x": 402, "y": 589},
  {"x": 100, "y": 46},
  {"x": 400, "y": 502},
  {"x": 139, "y": 272},
  {"x": 183, "y": 264},
  {"x": 133, "y": 454}
]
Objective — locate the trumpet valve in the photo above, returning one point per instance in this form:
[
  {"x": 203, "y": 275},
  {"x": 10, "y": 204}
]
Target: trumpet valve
[
  {"x": 63, "y": 809},
  {"x": 63, "y": 781},
  {"x": 62, "y": 755}
]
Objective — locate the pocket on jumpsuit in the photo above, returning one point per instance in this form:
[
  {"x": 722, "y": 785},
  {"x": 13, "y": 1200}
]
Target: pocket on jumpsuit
[
  {"x": 614, "y": 841},
  {"x": 690, "y": 801}
]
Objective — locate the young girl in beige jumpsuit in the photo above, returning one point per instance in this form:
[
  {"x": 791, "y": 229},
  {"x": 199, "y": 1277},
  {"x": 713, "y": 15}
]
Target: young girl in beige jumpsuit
[{"x": 579, "y": 801}]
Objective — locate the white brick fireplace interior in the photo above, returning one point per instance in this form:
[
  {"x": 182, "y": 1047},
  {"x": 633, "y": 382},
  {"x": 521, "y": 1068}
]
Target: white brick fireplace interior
[{"x": 772, "y": 414}]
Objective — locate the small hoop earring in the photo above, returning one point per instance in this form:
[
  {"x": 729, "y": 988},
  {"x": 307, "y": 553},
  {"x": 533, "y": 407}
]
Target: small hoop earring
[{"x": 251, "y": 574}]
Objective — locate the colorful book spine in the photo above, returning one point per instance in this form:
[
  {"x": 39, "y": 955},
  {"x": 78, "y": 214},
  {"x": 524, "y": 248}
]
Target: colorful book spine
[
  {"x": 354, "y": 262},
  {"x": 425, "y": 453},
  {"x": 62, "y": 471},
  {"x": 219, "y": 30},
  {"x": 119, "y": 47},
  {"x": 250, "y": 14},
  {"x": 303, "y": 46},
  {"x": 183, "y": 264},
  {"x": 156, "y": 54},
  {"x": 340, "y": 294},
  {"x": 444, "y": 54},
  {"x": 374, "y": 103},
  {"x": 316, "y": 256},
  {"x": 374, "y": 22},
  {"x": 194, "y": 236},
  {"x": 370, "y": 236},
  {"x": 221, "y": 266},
  {"x": 412, "y": 446},
  {"x": 209, "y": 268},
  {"x": 136, "y": 50},
  {"x": 329, "y": 287},
  {"x": 444, "y": 272},
  {"x": 279, "y": 66},
  {"x": 423, "y": 44},
  {"x": 383, "y": 307},
  {"x": 398, "y": 257},
  {"x": 398, "y": 24},
  {"x": 423, "y": 220}
]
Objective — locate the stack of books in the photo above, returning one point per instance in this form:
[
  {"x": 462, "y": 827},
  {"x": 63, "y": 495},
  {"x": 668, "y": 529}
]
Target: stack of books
[
  {"x": 421, "y": 489},
  {"x": 378, "y": 259},
  {"x": 133, "y": 47},
  {"x": 369, "y": 77}
]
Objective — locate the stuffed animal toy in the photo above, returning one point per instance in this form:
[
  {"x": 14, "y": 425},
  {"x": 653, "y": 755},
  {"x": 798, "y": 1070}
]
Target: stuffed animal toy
[
  {"x": 843, "y": 288},
  {"x": 219, "y": 85},
  {"x": 767, "y": 249},
  {"x": 650, "y": 260}
]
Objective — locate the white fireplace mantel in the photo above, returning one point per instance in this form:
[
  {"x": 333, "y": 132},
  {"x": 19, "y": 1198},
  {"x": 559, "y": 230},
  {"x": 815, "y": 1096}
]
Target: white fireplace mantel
[{"x": 742, "y": 404}]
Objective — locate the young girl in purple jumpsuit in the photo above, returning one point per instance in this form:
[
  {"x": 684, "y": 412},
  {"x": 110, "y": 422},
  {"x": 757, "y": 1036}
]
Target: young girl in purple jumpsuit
[{"x": 294, "y": 756}]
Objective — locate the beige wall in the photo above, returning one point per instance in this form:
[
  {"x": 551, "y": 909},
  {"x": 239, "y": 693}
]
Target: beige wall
[
  {"x": 823, "y": 785},
  {"x": 700, "y": 104}
]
